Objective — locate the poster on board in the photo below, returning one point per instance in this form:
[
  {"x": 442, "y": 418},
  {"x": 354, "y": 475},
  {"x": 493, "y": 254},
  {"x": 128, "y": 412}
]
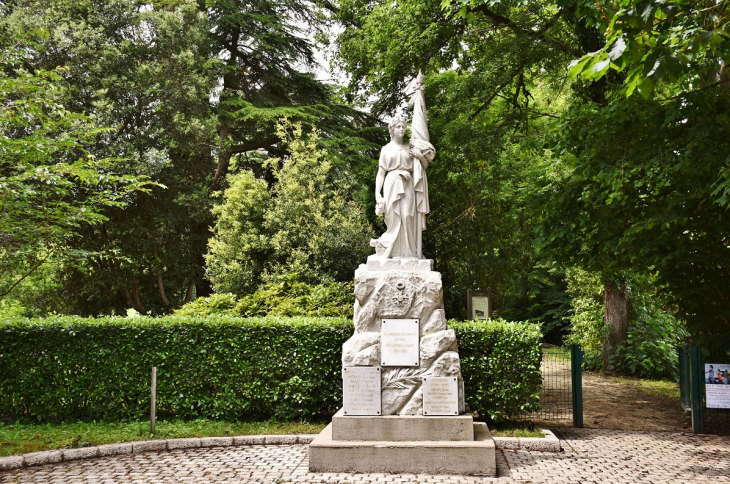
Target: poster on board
[{"x": 717, "y": 385}]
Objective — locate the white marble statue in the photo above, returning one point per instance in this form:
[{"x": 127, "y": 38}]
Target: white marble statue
[{"x": 401, "y": 187}]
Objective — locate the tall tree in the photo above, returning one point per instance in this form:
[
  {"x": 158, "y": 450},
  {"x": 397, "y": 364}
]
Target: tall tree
[
  {"x": 492, "y": 88},
  {"x": 52, "y": 187},
  {"x": 147, "y": 74}
]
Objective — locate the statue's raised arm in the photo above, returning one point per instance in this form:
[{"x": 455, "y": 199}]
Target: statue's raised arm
[{"x": 401, "y": 186}]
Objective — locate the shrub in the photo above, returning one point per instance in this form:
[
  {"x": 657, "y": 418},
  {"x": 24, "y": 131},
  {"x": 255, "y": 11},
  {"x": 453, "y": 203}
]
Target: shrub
[
  {"x": 70, "y": 368},
  {"x": 286, "y": 295},
  {"x": 222, "y": 304},
  {"x": 500, "y": 364}
]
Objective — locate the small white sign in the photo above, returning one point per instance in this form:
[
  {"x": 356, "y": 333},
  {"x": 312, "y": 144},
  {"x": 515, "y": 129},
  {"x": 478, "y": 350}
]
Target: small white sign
[
  {"x": 400, "y": 342},
  {"x": 361, "y": 390},
  {"x": 440, "y": 395},
  {"x": 717, "y": 385},
  {"x": 480, "y": 308}
]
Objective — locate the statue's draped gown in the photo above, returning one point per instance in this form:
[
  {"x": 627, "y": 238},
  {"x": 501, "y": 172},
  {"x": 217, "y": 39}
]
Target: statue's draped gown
[
  {"x": 401, "y": 238},
  {"x": 406, "y": 201}
]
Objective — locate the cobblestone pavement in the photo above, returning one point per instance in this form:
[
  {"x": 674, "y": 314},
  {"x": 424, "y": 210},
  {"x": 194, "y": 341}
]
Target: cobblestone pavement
[{"x": 588, "y": 456}]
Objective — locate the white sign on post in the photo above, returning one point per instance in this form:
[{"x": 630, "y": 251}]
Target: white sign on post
[
  {"x": 440, "y": 395},
  {"x": 480, "y": 308},
  {"x": 400, "y": 342},
  {"x": 717, "y": 385},
  {"x": 361, "y": 390}
]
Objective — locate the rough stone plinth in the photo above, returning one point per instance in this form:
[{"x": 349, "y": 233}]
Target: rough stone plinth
[
  {"x": 402, "y": 289},
  {"x": 398, "y": 428},
  {"x": 476, "y": 457}
]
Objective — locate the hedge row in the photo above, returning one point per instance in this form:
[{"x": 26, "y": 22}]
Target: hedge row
[{"x": 68, "y": 368}]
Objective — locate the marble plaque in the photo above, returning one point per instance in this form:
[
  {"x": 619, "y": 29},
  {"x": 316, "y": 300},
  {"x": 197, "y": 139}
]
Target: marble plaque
[
  {"x": 440, "y": 395},
  {"x": 361, "y": 390},
  {"x": 400, "y": 344}
]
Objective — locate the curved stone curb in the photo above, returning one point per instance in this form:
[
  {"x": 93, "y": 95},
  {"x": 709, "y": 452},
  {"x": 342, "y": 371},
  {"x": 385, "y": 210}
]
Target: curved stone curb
[
  {"x": 549, "y": 443},
  {"x": 63, "y": 455}
]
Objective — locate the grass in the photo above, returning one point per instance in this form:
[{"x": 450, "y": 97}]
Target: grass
[
  {"x": 661, "y": 388},
  {"x": 510, "y": 428},
  {"x": 18, "y": 439}
]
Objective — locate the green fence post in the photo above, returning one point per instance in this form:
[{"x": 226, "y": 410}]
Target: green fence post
[
  {"x": 576, "y": 364},
  {"x": 684, "y": 379},
  {"x": 696, "y": 373}
]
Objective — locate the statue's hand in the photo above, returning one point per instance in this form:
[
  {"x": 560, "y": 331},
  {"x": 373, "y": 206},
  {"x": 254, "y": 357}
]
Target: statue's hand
[
  {"x": 379, "y": 205},
  {"x": 406, "y": 176},
  {"x": 417, "y": 153}
]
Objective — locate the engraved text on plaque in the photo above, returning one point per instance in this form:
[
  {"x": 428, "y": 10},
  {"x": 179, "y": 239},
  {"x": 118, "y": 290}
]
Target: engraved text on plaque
[
  {"x": 440, "y": 395},
  {"x": 400, "y": 342},
  {"x": 361, "y": 390}
]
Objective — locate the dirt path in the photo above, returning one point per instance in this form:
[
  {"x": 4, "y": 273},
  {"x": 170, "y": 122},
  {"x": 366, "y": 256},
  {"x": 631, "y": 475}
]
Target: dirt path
[{"x": 625, "y": 404}]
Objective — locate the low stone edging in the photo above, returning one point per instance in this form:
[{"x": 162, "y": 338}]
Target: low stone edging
[
  {"x": 549, "y": 443},
  {"x": 63, "y": 455}
]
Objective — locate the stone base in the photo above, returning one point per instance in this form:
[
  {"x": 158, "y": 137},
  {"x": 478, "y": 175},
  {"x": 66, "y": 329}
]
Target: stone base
[
  {"x": 402, "y": 428},
  {"x": 475, "y": 457}
]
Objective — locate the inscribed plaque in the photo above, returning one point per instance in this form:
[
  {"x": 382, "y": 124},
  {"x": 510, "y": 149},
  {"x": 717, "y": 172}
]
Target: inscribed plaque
[
  {"x": 400, "y": 342},
  {"x": 440, "y": 395},
  {"x": 361, "y": 390}
]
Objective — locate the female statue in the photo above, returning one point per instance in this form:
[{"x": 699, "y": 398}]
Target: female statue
[{"x": 402, "y": 179}]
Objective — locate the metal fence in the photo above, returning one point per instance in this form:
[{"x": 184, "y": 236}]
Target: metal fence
[
  {"x": 692, "y": 382},
  {"x": 556, "y": 395}
]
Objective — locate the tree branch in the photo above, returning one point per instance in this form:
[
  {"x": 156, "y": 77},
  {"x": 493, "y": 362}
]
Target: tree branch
[
  {"x": 22, "y": 278},
  {"x": 533, "y": 34}
]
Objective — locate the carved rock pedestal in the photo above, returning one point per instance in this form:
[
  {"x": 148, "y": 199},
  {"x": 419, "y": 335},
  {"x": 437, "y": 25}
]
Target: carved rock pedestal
[{"x": 401, "y": 439}]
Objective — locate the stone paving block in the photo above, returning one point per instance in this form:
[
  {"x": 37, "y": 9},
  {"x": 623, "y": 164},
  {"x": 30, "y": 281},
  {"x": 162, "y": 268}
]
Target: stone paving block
[
  {"x": 80, "y": 453},
  {"x": 216, "y": 441},
  {"x": 148, "y": 445},
  {"x": 44, "y": 457},
  {"x": 11, "y": 462},
  {"x": 190, "y": 443},
  {"x": 281, "y": 439}
]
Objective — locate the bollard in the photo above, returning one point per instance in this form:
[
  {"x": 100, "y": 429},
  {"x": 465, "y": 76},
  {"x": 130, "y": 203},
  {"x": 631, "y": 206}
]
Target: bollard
[{"x": 153, "y": 401}]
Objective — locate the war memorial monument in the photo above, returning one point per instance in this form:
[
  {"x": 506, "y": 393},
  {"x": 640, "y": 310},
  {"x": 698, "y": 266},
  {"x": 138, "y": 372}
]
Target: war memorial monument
[{"x": 403, "y": 394}]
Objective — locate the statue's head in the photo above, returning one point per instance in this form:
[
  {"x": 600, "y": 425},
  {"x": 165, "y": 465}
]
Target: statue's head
[{"x": 397, "y": 119}]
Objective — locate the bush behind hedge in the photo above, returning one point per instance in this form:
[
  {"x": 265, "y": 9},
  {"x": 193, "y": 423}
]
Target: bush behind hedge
[{"x": 70, "y": 368}]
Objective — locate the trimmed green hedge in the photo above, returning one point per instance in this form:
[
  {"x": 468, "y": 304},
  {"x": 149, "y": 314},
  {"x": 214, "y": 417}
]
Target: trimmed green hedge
[{"x": 69, "y": 368}]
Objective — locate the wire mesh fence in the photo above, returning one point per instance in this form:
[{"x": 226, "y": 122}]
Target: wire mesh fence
[{"x": 556, "y": 393}]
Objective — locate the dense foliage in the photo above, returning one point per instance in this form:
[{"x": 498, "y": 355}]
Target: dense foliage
[
  {"x": 264, "y": 173},
  {"x": 654, "y": 335},
  {"x": 192, "y": 92},
  {"x": 306, "y": 224},
  {"x": 221, "y": 367},
  {"x": 284, "y": 296},
  {"x": 51, "y": 185}
]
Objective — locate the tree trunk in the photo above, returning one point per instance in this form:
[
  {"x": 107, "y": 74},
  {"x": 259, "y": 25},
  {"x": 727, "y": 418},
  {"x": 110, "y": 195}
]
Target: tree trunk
[
  {"x": 616, "y": 315},
  {"x": 160, "y": 284}
]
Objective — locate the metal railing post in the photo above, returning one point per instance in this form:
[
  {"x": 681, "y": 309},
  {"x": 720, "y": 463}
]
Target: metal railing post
[
  {"x": 576, "y": 364},
  {"x": 684, "y": 379},
  {"x": 696, "y": 372}
]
